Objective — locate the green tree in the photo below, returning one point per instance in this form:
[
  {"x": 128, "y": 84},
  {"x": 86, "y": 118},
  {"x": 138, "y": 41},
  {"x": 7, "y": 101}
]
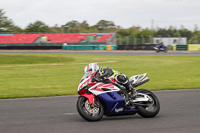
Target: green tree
[
  {"x": 130, "y": 32},
  {"x": 166, "y": 32},
  {"x": 6, "y": 25},
  {"x": 183, "y": 32},
  {"x": 123, "y": 33},
  {"x": 83, "y": 27},
  {"x": 196, "y": 28},
  {"x": 93, "y": 28},
  {"x": 145, "y": 33},
  {"x": 104, "y": 24},
  {"x": 195, "y": 39},
  {"x": 57, "y": 29},
  {"x": 38, "y": 26},
  {"x": 71, "y": 26}
]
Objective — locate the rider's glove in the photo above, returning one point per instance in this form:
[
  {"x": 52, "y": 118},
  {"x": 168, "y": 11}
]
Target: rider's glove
[{"x": 98, "y": 79}]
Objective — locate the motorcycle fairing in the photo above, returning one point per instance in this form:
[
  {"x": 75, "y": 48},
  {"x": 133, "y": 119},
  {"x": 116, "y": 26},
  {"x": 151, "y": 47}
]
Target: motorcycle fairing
[
  {"x": 112, "y": 100},
  {"x": 83, "y": 83},
  {"x": 137, "y": 78},
  {"x": 89, "y": 96},
  {"x": 101, "y": 88},
  {"x": 107, "y": 93},
  {"x": 115, "y": 104},
  {"x": 86, "y": 81},
  {"x": 98, "y": 89}
]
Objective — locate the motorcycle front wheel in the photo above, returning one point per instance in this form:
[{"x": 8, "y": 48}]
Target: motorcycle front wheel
[
  {"x": 151, "y": 109},
  {"x": 93, "y": 112}
]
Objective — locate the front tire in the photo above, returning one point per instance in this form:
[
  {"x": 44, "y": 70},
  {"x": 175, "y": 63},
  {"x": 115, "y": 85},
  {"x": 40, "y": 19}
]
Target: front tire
[
  {"x": 155, "y": 108},
  {"x": 88, "y": 112}
]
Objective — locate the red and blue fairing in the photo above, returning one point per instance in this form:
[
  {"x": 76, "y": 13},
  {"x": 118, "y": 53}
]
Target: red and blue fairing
[{"x": 113, "y": 103}]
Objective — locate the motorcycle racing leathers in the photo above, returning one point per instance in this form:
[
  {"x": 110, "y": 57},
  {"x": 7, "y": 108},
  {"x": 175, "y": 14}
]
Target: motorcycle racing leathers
[{"x": 122, "y": 79}]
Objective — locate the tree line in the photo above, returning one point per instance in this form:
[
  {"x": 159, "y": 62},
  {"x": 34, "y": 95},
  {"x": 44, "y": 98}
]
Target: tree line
[{"x": 8, "y": 26}]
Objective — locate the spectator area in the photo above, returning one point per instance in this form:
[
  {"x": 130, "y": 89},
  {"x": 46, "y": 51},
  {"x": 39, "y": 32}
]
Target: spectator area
[
  {"x": 104, "y": 37},
  {"x": 54, "y": 38}
]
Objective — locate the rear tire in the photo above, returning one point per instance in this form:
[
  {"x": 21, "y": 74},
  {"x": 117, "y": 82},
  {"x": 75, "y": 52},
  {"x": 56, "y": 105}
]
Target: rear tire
[
  {"x": 142, "y": 110},
  {"x": 81, "y": 105}
]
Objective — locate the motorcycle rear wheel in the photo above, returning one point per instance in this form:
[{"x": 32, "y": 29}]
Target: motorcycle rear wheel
[
  {"x": 87, "y": 112},
  {"x": 143, "y": 110}
]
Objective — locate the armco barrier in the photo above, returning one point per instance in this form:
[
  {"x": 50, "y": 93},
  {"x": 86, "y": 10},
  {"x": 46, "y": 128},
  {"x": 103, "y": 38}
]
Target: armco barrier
[
  {"x": 194, "y": 47},
  {"x": 50, "y": 44},
  {"x": 181, "y": 47},
  {"x": 88, "y": 47},
  {"x": 136, "y": 47},
  {"x": 68, "y": 46}
]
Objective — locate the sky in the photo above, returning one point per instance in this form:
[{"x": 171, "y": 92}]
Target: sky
[{"x": 124, "y": 13}]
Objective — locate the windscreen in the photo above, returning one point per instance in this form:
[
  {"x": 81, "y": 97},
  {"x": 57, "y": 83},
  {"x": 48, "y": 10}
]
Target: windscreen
[{"x": 85, "y": 75}]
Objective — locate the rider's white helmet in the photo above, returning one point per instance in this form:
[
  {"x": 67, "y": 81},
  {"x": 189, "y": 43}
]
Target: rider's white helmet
[{"x": 92, "y": 67}]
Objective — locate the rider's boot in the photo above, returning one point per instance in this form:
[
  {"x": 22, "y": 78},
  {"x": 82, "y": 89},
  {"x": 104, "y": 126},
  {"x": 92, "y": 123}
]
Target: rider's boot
[
  {"x": 133, "y": 92},
  {"x": 132, "y": 95}
]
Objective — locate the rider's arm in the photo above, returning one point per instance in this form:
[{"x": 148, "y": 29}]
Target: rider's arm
[{"x": 107, "y": 72}]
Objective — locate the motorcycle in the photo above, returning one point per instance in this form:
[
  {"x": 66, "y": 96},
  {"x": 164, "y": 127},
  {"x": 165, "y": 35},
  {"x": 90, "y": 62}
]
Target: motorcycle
[
  {"x": 106, "y": 97},
  {"x": 161, "y": 48}
]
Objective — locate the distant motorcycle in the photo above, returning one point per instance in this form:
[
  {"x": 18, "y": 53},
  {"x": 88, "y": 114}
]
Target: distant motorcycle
[
  {"x": 98, "y": 98},
  {"x": 161, "y": 48}
]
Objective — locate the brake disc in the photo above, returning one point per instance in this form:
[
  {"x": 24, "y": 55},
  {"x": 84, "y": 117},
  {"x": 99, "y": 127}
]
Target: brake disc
[{"x": 91, "y": 109}]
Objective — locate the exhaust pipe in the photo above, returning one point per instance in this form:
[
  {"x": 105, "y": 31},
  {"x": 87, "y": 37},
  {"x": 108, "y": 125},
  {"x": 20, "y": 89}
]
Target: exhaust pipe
[{"x": 143, "y": 81}]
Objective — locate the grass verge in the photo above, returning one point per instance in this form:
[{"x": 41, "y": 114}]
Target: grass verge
[{"x": 35, "y": 75}]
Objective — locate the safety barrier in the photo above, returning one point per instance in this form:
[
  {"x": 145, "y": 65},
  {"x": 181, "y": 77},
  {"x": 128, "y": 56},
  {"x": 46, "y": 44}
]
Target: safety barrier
[
  {"x": 189, "y": 47},
  {"x": 181, "y": 47},
  {"x": 136, "y": 47},
  {"x": 111, "y": 47},
  {"x": 50, "y": 44},
  {"x": 89, "y": 47},
  {"x": 193, "y": 47},
  {"x": 174, "y": 47}
]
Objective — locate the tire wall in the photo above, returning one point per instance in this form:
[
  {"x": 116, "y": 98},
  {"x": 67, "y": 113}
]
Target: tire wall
[
  {"x": 79, "y": 47},
  {"x": 137, "y": 47}
]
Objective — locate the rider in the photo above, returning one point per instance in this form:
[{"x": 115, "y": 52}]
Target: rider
[
  {"x": 161, "y": 46},
  {"x": 106, "y": 72}
]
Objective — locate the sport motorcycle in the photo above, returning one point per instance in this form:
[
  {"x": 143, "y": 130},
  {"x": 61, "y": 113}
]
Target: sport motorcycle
[
  {"x": 106, "y": 97},
  {"x": 160, "y": 48}
]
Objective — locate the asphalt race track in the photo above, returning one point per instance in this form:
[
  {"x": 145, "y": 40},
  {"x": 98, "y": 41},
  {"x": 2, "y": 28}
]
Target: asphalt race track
[
  {"x": 180, "y": 109},
  {"x": 180, "y": 113},
  {"x": 104, "y": 52}
]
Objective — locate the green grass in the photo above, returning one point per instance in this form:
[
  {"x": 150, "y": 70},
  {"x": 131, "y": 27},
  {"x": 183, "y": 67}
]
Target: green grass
[
  {"x": 31, "y": 59},
  {"x": 34, "y": 75}
]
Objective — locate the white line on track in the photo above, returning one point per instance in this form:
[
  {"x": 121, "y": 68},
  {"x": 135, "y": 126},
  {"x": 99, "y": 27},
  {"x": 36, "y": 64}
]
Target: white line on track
[{"x": 70, "y": 113}]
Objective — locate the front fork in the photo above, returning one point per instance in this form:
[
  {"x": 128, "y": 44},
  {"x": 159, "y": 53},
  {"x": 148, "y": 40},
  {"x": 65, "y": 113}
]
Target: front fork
[{"x": 90, "y": 97}]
